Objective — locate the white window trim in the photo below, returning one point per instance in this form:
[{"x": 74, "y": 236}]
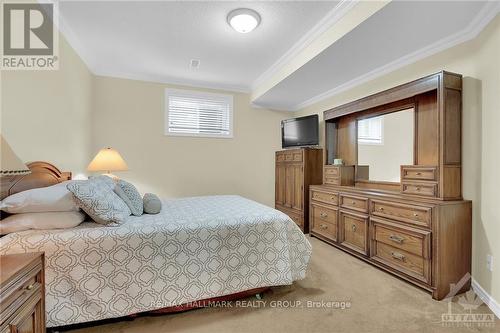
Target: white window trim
[
  {"x": 373, "y": 143},
  {"x": 194, "y": 93}
]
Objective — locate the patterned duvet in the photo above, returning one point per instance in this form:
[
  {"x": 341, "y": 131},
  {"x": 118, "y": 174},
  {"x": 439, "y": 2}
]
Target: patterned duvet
[{"x": 196, "y": 248}]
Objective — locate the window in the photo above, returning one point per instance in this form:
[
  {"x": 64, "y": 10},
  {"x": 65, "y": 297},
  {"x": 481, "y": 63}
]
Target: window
[
  {"x": 370, "y": 131},
  {"x": 192, "y": 113}
]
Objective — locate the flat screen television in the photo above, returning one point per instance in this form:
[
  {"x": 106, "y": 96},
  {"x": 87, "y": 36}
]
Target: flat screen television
[{"x": 303, "y": 131}]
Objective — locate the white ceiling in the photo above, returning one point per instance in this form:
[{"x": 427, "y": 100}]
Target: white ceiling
[
  {"x": 155, "y": 40},
  {"x": 400, "y": 33}
]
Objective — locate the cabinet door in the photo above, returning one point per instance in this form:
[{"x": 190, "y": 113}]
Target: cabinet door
[
  {"x": 298, "y": 187},
  {"x": 280, "y": 184},
  {"x": 354, "y": 231},
  {"x": 289, "y": 185}
]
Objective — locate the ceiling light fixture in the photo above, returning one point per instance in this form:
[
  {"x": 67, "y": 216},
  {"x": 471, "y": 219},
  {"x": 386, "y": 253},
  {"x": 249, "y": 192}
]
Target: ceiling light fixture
[{"x": 243, "y": 20}]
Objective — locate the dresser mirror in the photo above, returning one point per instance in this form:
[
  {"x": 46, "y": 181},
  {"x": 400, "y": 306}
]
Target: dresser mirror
[{"x": 385, "y": 143}]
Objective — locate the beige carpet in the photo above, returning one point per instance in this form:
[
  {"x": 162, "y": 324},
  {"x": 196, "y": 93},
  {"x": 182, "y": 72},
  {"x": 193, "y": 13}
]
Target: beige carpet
[{"x": 379, "y": 303}]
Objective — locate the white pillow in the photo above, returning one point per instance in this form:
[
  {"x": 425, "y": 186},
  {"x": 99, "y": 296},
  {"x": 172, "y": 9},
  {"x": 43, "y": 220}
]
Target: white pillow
[
  {"x": 55, "y": 198},
  {"x": 40, "y": 221}
]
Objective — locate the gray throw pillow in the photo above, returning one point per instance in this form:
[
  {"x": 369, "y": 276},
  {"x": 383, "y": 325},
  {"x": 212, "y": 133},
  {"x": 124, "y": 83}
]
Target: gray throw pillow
[
  {"x": 110, "y": 182},
  {"x": 152, "y": 204},
  {"x": 96, "y": 198},
  {"x": 129, "y": 194}
]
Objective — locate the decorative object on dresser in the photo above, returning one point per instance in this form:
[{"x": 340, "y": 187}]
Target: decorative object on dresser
[
  {"x": 296, "y": 170},
  {"x": 22, "y": 293},
  {"x": 397, "y": 202}
]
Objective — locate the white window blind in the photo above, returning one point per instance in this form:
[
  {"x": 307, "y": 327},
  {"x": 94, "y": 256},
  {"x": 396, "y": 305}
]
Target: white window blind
[
  {"x": 370, "y": 131},
  {"x": 192, "y": 113}
]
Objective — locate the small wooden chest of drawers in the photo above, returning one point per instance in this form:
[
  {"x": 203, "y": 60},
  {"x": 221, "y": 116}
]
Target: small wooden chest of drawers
[
  {"x": 22, "y": 293},
  {"x": 338, "y": 174}
]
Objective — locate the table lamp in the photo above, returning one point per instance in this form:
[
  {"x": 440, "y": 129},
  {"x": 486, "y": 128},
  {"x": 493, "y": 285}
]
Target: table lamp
[
  {"x": 10, "y": 164},
  {"x": 108, "y": 160}
]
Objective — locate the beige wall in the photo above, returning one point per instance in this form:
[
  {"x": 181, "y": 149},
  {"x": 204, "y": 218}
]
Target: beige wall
[
  {"x": 384, "y": 159},
  {"x": 478, "y": 61},
  {"x": 45, "y": 115},
  {"x": 128, "y": 115}
]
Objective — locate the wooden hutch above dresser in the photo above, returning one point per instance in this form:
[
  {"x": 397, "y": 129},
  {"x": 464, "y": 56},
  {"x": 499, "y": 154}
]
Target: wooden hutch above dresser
[{"x": 396, "y": 200}]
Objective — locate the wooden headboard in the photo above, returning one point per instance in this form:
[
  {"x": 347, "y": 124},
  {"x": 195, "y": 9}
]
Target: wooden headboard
[{"x": 42, "y": 174}]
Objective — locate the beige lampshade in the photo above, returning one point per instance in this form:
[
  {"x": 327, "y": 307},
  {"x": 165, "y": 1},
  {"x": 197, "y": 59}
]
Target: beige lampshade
[
  {"x": 10, "y": 164},
  {"x": 107, "y": 159}
]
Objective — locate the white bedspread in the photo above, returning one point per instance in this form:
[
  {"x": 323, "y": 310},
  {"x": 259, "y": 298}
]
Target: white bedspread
[{"x": 196, "y": 248}]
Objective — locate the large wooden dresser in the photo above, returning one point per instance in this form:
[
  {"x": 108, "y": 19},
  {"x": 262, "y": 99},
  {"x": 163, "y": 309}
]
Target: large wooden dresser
[
  {"x": 419, "y": 229},
  {"x": 296, "y": 170},
  {"x": 22, "y": 293}
]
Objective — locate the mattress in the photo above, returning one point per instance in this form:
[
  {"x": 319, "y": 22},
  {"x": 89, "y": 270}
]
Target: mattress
[{"x": 196, "y": 248}]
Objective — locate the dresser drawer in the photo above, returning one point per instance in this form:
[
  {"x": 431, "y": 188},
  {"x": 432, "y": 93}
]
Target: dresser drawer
[
  {"x": 14, "y": 296},
  {"x": 280, "y": 157},
  {"x": 288, "y": 157},
  {"x": 406, "y": 238},
  {"x": 417, "y": 215},
  {"x": 414, "y": 172},
  {"x": 22, "y": 293},
  {"x": 402, "y": 261},
  {"x": 29, "y": 318},
  {"x": 331, "y": 180},
  {"x": 426, "y": 189},
  {"x": 325, "y": 197},
  {"x": 331, "y": 171},
  {"x": 354, "y": 231},
  {"x": 355, "y": 203},
  {"x": 297, "y": 156},
  {"x": 324, "y": 221}
]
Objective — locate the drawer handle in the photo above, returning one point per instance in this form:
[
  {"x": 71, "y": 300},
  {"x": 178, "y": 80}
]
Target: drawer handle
[
  {"x": 353, "y": 227},
  {"x": 30, "y": 287},
  {"x": 417, "y": 188},
  {"x": 353, "y": 203},
  {"x": 323, "y": 226},
  {"x": 323, "y": 215},
  {"x": 332, "y": 198},
  {"x": 381, "y": 209},
  {"x": 415, "y": 214},
  {"x": 418, "y": 173},
  {"x": 396, "y": 239},
  {"x": 398, "y": 256}
]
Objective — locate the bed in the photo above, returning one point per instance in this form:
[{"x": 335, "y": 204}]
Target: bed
[{"x": 196, "y": 248}]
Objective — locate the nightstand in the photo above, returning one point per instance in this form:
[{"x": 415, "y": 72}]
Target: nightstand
[{"x": 22, "y": 293}]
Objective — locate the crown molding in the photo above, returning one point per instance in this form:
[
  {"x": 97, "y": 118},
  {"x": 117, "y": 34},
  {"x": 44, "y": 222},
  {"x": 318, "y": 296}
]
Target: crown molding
[
  {"x": 486, "y": 298},
  {"x": 173, "y": 81},
  {"x": 488, "y": 13},
  {"x": 332, "y": 17}
]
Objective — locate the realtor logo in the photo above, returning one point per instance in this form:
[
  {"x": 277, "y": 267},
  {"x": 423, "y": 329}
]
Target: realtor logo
[{"x": 29, "y": 37}]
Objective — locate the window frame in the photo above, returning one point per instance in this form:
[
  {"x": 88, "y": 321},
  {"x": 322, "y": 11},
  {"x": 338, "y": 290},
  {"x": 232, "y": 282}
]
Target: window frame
[
  {"x": 368, "y": 142},
  {"x": 197, "y": 94}
]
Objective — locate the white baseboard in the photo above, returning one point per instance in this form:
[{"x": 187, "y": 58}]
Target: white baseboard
[{"x": 486, "y": 298}]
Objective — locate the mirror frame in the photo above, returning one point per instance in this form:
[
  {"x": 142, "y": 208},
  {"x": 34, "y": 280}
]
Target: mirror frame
[{"x": 380, "y": 111}]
